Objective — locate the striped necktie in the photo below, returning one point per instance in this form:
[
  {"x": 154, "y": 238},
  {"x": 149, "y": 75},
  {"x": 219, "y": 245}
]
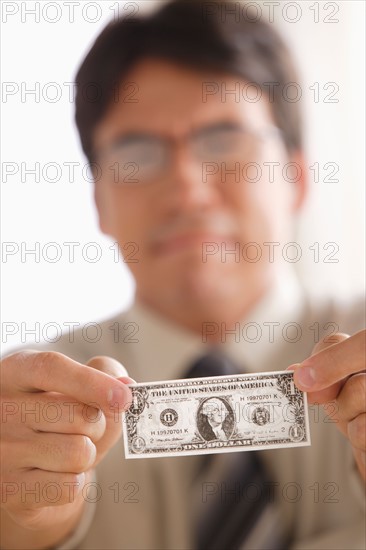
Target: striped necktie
[{"x": 239, "y": 513}]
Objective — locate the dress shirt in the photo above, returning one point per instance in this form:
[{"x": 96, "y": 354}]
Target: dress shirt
[{"x": 149, "y": 503}]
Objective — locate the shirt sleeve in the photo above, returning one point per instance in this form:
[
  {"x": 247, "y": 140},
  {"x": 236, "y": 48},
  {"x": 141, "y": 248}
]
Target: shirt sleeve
[{"x": 351, "y": 535}]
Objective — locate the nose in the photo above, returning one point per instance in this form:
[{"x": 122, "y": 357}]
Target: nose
[{"x": 186, "y": 189}]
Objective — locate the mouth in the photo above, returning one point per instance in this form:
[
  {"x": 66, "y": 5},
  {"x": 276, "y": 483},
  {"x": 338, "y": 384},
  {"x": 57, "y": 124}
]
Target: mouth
[{"x": 189, "y": 242}]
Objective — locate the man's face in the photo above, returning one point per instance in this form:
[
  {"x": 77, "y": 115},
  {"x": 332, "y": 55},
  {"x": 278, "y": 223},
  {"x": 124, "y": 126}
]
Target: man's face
[
  {"x": 185, "y": 221},
  {"x": 215, "y": 411}
]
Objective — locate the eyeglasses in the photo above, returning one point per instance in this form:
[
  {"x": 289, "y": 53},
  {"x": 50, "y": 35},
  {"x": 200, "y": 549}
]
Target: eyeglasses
[{"x": 139, "y": 158}]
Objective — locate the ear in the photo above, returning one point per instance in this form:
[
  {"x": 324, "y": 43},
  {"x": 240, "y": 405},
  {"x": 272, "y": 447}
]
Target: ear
[{"x": 301, "y": 183}]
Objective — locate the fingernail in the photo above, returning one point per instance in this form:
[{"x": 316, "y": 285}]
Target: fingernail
[
  {"x": 127, "y": 380},
  {"x": 117, "y": 395},
  {"x": 294, "y": 366},
  {"x": 306, "y": 376}
]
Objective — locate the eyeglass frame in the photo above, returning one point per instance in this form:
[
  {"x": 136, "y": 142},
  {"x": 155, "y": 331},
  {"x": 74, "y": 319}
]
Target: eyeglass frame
[{"x": 170, "y": 142}]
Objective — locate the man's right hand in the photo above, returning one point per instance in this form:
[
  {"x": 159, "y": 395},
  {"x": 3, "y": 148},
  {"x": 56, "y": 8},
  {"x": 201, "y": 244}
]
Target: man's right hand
[{"x": 59, "y": 419}]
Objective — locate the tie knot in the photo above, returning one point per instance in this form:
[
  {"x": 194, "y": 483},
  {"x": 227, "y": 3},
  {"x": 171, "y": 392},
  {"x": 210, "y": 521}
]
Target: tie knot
[{"x": 212, "y": 364}]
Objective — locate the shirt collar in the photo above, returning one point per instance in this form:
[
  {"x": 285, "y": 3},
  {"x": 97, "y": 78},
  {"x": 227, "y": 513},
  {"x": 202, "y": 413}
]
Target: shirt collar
[
  {"x": 261, "y": 334},
  {"x": 165, "y": 350}
]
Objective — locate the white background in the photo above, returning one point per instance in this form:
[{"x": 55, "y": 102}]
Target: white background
[{"x": 43, "y": 131}]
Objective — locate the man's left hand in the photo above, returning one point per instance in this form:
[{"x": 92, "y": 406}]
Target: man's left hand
[{"x": 336, "y": 372}]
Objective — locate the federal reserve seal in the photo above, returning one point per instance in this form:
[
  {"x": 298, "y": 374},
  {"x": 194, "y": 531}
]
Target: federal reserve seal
[{"x": 169, "y": 417}]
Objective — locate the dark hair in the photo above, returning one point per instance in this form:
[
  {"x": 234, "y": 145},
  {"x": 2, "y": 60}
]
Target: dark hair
[{"x": 198, "y": 34}]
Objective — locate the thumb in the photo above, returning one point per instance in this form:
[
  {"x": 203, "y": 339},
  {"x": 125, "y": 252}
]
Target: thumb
[
  {"x": 113, "y": 430},
  {"x": 329, "y": 341},
  {"x": 327, "y": 394},
  {"x": 110, "y": 366}
]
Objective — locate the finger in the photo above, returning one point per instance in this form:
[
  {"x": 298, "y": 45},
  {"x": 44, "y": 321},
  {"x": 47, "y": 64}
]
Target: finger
[
  {"x": 108, "y": 365},
  {"x": 57, "y": 413},
  {"x": 328, "y": 394},
  {"x": 328, "y": 341},
  {"x": 56, "y": 452},
  {"x": 41, "y": 518},
  {"x": 357, "y": 432},
  {"x": 112, "y": 367},
  {"x": 352, "y": 399},
  {"x": 323, "y": 396},
  {"x": 40, "y": 488},
  {"x": 331, "y": 365},
  {"x": 51, "y": 371}
]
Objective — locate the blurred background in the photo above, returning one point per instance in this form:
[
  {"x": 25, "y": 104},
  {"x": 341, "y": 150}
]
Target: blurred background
[{"x": 42, "y": 48}]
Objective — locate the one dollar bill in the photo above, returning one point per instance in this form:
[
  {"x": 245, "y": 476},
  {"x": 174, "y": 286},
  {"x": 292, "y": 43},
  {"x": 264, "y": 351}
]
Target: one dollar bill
[{"x": 218, "y": 414}]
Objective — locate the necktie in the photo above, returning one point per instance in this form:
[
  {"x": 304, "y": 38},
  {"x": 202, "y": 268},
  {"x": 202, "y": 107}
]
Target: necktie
[{"x": 241, "y": 514}]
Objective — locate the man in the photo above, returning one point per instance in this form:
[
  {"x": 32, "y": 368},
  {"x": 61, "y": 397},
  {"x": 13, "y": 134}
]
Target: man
[
  {"x": 214, "y": 420},
  {"x": 165, "y": 148}
]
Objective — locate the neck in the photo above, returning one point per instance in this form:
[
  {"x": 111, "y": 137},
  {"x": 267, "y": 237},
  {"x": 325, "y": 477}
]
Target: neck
[{"x": 209, "y": 320}]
